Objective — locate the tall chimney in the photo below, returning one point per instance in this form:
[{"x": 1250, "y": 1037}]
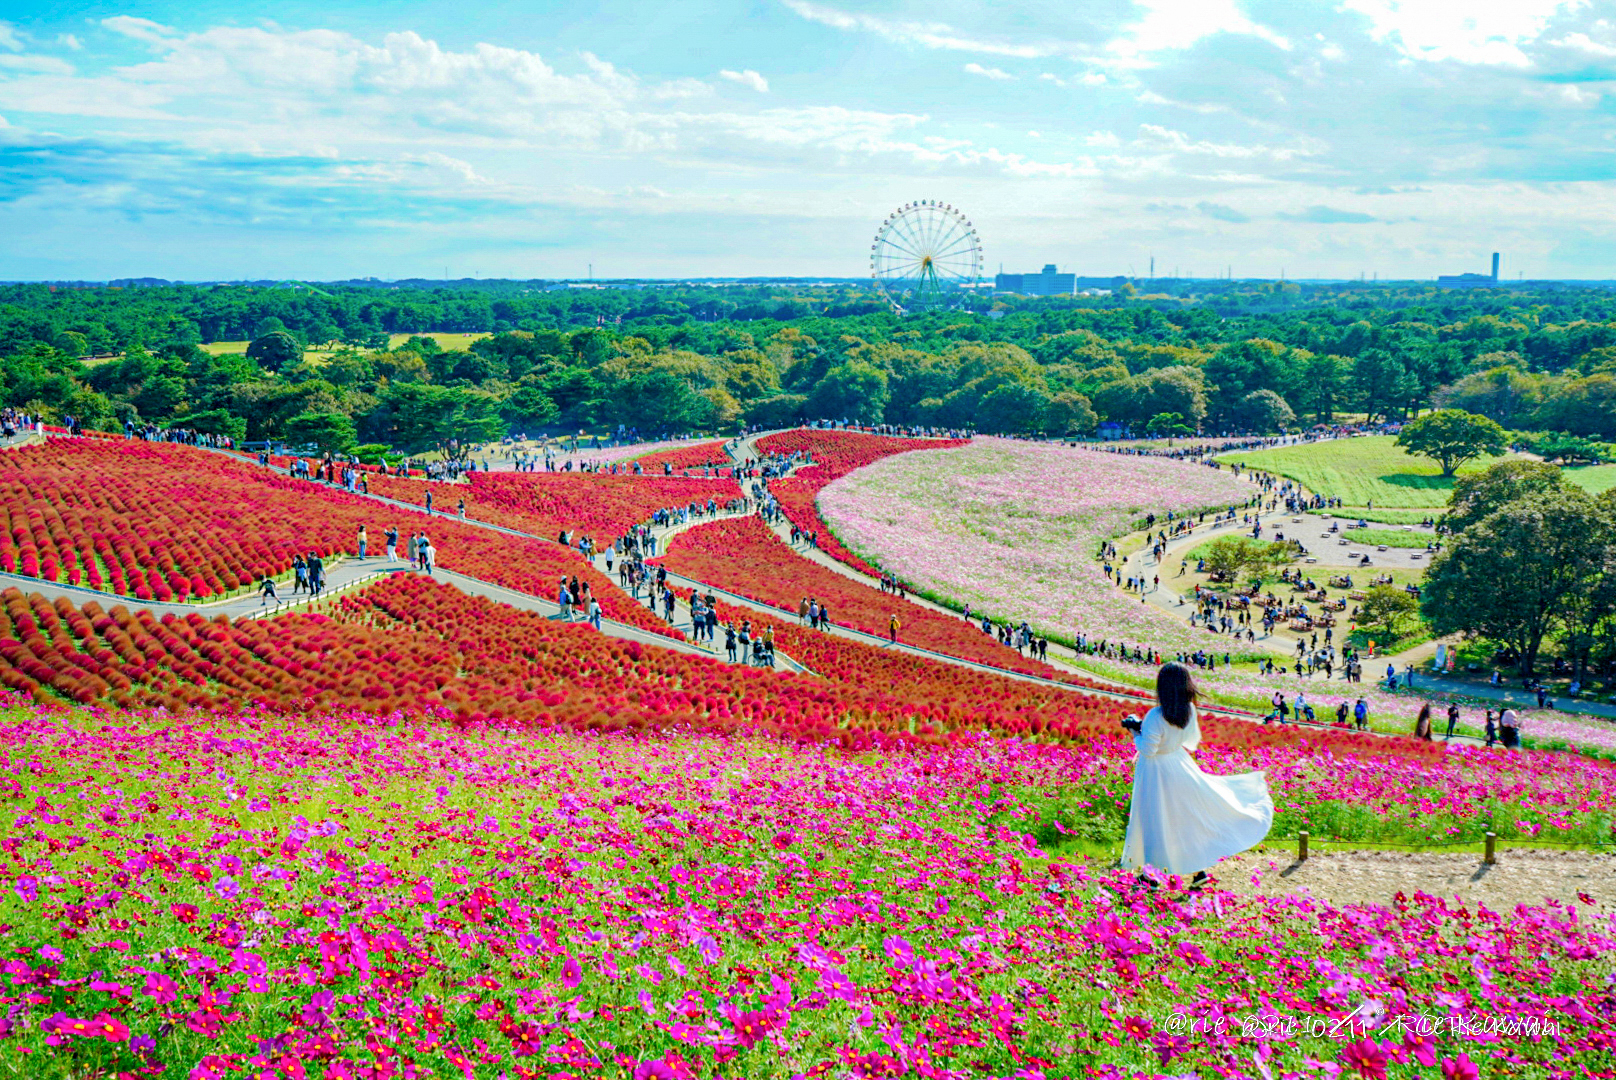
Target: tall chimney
[{"x": 1495, "y": 266}]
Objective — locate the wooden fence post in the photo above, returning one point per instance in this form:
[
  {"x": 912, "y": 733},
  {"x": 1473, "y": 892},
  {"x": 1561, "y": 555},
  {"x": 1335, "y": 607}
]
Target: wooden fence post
[
  {"x": 1488, "y": 857},
  {"x": 1301, "y": 846}
]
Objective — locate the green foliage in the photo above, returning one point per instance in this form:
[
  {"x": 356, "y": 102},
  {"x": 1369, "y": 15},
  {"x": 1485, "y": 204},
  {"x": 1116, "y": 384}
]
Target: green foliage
[
  {"x": 1167, "y": 425},
  {"x": 1388, "y": 611},
  {"x": 1480, "y": 494},
  {"x": 1012, "y": 409},
  {"x": 855, "y": 391},
  {"x": 1264, "y": 411},
  {"x": 1228, "y": 557},
  {"x": 1520, "y": 571},
  {"x": 419, "y": 416},
  {"x": 328, "y": 432},
  {"x": 1452, "y": 437},
  {"x": 1070, "y": 414},
  {"x": 781, "y": 410},
  {"x": 275, "y": 350},
  {"x": 1565, "y": 449},
  {"x": 1539, "y": 360},
  {"x": 658, "y": 401},
  {"x": 215, "y": 422},
  {"x": 530, "y": 409}
]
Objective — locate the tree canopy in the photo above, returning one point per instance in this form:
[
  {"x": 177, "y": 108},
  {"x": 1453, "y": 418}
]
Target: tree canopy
[{"x": 1453, "y": 437}]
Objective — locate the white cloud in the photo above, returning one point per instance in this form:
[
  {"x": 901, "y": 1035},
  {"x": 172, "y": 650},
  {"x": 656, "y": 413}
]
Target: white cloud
[
  {"x": 1168, "y": 25},
  {"x": 1487, "y": 33},
  {"x": 987, "y": 72},
  {"x": 450, "y": 165},
  {"x": 1150, "y": 97},
  {"x": 747, "y": 78},
  {"x": 41, "y": 64},
  {"x": 927, "y": 35},
  {"x": 1584, "y": 44},
  {"x": 69, "y": 41},
  {"x": 10, "y": 37},
  {"x": 1103, "y": 139},
  {"x": 1178, "y": 142},
  {"x": 151, "y": 33}
]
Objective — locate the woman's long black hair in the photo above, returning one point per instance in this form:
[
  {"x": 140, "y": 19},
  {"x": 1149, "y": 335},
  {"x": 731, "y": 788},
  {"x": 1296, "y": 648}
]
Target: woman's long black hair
[{"x": 1177, "y": 692}]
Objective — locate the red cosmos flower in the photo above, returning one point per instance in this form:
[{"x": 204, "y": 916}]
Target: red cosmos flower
[
  {"x": 1138, "y": 1027},
  {"x": 108, "y": 1027},
  {"x": 1460, "y": 1068},
  {"x": 185, "y": 913},
  {"x": 1368, "y": 1057}
]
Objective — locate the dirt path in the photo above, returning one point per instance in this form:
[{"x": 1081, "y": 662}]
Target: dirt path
[{"x": 1520, "y": 876}]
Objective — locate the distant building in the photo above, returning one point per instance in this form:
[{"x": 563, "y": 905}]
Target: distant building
[
  {"x": 1470, "y": 281},
  {"x": 1044, "y": 283},
  {"x": 1047, "y": 282}
]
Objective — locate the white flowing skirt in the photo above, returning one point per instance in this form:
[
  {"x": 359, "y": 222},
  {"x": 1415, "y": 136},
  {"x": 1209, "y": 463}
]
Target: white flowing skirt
[{"x": 1181, "y": 820}]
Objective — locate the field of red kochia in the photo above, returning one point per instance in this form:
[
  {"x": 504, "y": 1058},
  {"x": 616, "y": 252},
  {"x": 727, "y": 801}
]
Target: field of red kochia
[
  {"x": 696, "y": 456},
  {"x": 603, "y": 506},
  {"x": 407, "y": 644},
  {"x": 167, "y": 522}
]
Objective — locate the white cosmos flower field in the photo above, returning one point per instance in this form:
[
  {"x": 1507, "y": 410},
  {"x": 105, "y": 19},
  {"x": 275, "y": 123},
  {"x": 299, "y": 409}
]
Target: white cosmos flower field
[{"x": 1012, "y": 528}]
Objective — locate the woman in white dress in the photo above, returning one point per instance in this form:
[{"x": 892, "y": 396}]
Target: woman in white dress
[{"x": 1181, "y": 820}]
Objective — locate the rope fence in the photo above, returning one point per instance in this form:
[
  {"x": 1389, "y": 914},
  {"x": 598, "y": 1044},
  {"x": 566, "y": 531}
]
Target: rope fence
[{"x": 1489, "y": 842}]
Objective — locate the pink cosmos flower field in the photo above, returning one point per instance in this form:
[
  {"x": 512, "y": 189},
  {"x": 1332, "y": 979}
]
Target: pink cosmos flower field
[
  {"x": 1012, "y": 528},
  {"x": 352, "y": 897}
]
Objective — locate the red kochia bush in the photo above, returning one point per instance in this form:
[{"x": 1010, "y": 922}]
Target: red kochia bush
[
  {"x": 836, "y": 453},
  {"x": 410, "y": 644},
  {"x": 703, "y": 455},
  {"x": 161, "y": 521},
  {"x": 600, "y": 505}
]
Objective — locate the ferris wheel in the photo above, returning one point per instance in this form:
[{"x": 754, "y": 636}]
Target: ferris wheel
[{"x": 926, "y": 255}]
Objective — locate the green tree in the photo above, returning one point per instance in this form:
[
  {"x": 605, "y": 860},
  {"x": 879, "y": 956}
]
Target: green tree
[
  {"x": 1263, "y": 411},
  {"x": 1388, "y": 610},
  {"x": 1451, "y": 438},
  {"x": 778, "y": 411},
  {"x": 1070, "y": 414},
  {"x": 214, "y": 422},
  {"x": 1228, "y": 557},
  {"x": 420, "y": 416},
  {"x": 1482, "y": 493},
  {"x": 275, "y": 351},
  {"x": 160, "y": 396},
  {"x": 854, "y": 391},
  {"x": 1515, "y": 575},
  {"x": 1584, "y": 407},
  {"x": 659, "y": 401},
  {"x": 329, "y": 432},
  {"x": 1503, "y": 393},
  {"x": 1167, "y": 425},
  {"x": 1012, "y": 409},
  {"x": 530, "y": 408}
]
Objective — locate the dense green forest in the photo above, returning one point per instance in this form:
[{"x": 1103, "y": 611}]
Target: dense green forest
[{"x": 1209, "y": 356}]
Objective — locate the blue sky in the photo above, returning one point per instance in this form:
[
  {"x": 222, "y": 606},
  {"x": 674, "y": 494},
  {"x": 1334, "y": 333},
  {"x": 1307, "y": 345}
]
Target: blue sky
[{"x": 325, "y": 140}]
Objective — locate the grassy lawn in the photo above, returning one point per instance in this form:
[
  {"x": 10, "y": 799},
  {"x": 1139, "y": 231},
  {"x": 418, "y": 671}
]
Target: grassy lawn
[
  {"x": 1391, "y": 537},
  {"x": 446, "y": 341},
  {"x": 1404, "y": 489},
  {"x": 1367, "y": 470},
  {"x": 1596, "y": 478}
]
